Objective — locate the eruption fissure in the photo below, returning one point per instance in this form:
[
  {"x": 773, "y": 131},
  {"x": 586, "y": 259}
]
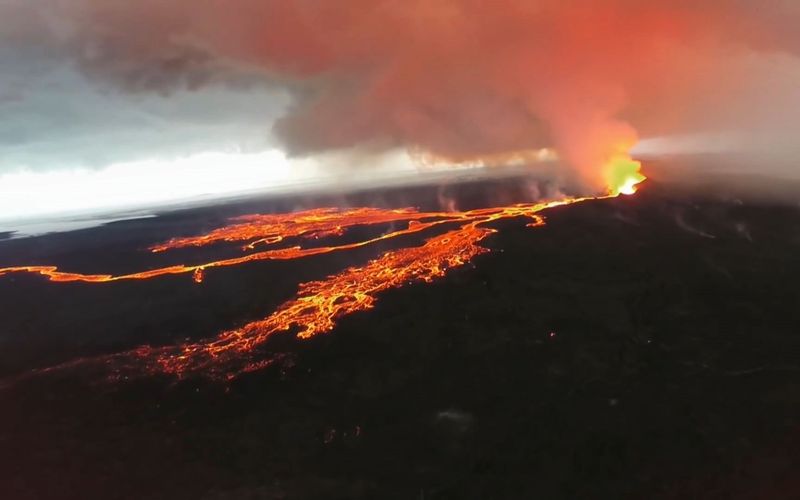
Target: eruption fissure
[{"x": 319, "y": 304}]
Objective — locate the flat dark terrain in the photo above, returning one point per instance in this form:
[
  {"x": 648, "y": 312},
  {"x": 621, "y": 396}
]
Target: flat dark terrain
[{"x": 644, "y": 347}]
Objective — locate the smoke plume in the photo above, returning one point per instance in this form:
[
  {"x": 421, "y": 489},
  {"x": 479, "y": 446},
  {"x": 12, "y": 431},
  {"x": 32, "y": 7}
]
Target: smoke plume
[{"x": 458, "y": 79}]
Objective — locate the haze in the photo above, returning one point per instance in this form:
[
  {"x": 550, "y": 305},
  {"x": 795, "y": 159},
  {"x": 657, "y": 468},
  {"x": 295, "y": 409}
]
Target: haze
[{"x": 95, "y": 93}]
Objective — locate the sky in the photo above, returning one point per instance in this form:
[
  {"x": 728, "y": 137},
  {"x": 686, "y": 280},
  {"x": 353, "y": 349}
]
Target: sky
[{"x": 111, "y": 103}]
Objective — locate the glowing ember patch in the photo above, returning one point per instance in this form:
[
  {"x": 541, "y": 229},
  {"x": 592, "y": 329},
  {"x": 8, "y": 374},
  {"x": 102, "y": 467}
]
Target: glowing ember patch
[{"x": 197, "y": 275}]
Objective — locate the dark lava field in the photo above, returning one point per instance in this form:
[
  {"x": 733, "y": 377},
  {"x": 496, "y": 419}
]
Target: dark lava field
[{"x": 643, "y": 347}]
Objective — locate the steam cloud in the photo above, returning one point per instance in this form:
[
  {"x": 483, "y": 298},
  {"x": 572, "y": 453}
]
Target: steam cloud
[{"x": 457, "y": 79}]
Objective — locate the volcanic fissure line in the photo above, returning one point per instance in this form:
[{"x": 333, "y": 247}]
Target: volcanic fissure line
[{"x": 319, "y": 304}]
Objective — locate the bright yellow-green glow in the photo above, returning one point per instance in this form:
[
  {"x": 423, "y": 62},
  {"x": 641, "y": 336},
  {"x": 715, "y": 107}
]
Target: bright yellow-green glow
[{"x": 623, "y": 174}]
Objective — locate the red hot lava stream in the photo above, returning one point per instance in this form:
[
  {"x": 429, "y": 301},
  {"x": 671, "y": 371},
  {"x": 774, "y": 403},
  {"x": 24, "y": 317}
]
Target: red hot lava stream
[{"x": 318, "y": 304}]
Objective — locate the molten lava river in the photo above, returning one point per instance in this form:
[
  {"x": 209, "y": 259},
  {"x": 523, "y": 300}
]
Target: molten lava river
[{"x": 318, "y": 304}]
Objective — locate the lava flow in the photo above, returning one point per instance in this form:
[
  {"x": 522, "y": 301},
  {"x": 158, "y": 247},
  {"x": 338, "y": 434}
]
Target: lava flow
[
  {"x": 319, "y": 304},
  {"x": 266, "y": 230}
]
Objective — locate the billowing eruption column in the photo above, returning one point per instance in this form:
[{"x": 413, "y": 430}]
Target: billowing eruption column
[{"x": 455, "y": 79}]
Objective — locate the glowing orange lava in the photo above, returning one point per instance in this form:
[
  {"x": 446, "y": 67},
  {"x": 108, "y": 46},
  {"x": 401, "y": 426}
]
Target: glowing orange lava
[
  {"x": 319, "y": 304},
  {"x": 330, "y": 221},
  {"x": 623, "y": 174},
  {"x": 274, "y": 228}
]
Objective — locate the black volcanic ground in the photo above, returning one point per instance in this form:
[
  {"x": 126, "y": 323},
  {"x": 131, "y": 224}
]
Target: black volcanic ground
[{"x": 672, "y": 371}]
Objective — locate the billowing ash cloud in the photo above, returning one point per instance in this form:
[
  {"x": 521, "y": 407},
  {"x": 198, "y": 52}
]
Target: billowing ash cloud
[{"x": 453, "y": 78}]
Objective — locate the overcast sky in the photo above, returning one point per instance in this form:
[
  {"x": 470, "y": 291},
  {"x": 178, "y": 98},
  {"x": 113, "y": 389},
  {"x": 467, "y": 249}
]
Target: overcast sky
[
  {"x": 56, "y": 115},
  {"x": 54, "y": 118},
  {"x": 63, "y": 129}
]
